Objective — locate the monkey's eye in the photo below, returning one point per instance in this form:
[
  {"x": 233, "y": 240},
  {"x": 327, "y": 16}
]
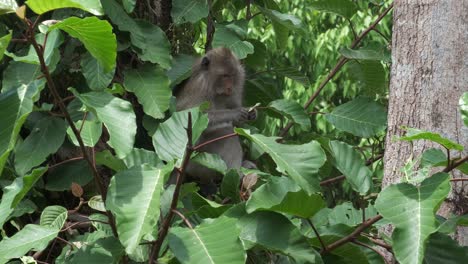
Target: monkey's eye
[{"x": 205, "y": 62}]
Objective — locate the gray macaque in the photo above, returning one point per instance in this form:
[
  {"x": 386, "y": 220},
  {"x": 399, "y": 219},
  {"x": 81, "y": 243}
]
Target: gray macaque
[{"x": 218, "y": 78}]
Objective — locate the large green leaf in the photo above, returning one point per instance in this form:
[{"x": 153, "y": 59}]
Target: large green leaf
[
  {"x": 142, "y": 156},
  {"x": 45, "y": 138},
  {"x": 300, "y": 162},
  {"x": 188, "y": 11},
  {"x": 54, "y": 216},
  {"x": 345, "y": 213},
  {"x": 206, "y": 208},
  {"x": 16, "y": 104},
  {"x": 4, "y": 41},
  {"x": 93, "y": 71},
  {"x": 345, "y": 8},
  {"x": 412, "y": 210},
  {"x": 134, "y": 198},
  {"x": 210, "y": 160},
  {"x": 31, "y": 237},
  {"x": 181, "y": 68},
  {"x": 282, "y": 194},
  {"x": 361, "y": 117},
  {"x": 41, "y": 6},
  {"x": 293, "y": 110},
  {"x": 464, "y": 107},
  {"x": 18, "y": 73},
  {"x": 98, "y": 248},
  {"x": 368, "y": 53},
  {"x": 442, "y": 248},
  {"x": 61, "y": 177},
  {"x": 288, "y": 21},
  {"x": 96, "y": 35},
  {"x": 151, "y": 86},
  {"x": 275, "y": 232},
  {"x": 170, "y": 139},
  {"x": 90, "y": 132},
  {"x": 14, "y": 193},
  {"x": 229, "y": 37},
  {"x": 371, "y": 76},
  {"x": 211, "y": 242},
  {"x": 118, "y": 117},
  {"x": 349, "y": 162},
  {"x": 8, "y": 6},
  {"x": 416, "y": 134}
]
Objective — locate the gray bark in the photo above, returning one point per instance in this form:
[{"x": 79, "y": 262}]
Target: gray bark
[{"x": 429, "y": 73}]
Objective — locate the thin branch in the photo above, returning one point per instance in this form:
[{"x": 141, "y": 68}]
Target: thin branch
[
  {"x": 248, "y": 13},
  {"x": 324, "y": 247},
  {"x": 186, "y": 221},
  {"x": 455, "y": 164},
  {"x": 210, "y": 29},
  {"x": 352, "y": 28},
  {"x": 342, "y": 61},
  {"x": 65, "y": 241},
  {"x": 353, "y": 235},
  {"x": 175, "y": 198},
  {"x": 63, "y": 109},
  {"x": 197, "y": 147},
  {"x": 379, "y": 243},
  {"x": 459, "y": 179},
  {"x": 64, "y": 161},
  {"x": 381, "y": 34},
  {"x": 342, "y": 177},
  {"x": 357, "y": 242}
]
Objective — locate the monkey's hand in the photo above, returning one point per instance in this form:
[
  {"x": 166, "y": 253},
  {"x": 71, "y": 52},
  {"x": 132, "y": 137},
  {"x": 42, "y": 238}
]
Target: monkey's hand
[{"x": 246, "y": 114}]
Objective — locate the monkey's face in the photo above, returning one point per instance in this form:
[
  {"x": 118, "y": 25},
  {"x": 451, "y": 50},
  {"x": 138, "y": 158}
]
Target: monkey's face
[{"x": 223, "y": 69}]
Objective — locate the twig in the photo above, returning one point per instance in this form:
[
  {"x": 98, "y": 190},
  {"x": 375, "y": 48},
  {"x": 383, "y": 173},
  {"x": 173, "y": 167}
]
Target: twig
[
  {"x": 357, "y": 242},
  {"x": 210, "y": 29},
  {"x": 65, "y": 241},
  {"x": 342, "y": 177},
  {"x": 186, "y": 221},
  {"x": 455, "y": 164},
  {"x": 459, "y": 179},
  {"x": 353, "y": 235},
  {"x": 63, "y": 109},
  {"x": 342, "y": 61},
  {"x": 324, "y": 247},
  {"x": 197, "y": 147},
  {"x": 175, "y": 198},
  {"x": 248, "y": 14},
  {"x": 65, "y": 161}
]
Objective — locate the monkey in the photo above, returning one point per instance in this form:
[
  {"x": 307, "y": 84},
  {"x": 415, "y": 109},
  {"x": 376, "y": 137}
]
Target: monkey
[{"x": 218, "y": 77}]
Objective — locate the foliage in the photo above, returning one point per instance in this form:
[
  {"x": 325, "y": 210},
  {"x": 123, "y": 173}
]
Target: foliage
[{"x": 90, "y": 143}]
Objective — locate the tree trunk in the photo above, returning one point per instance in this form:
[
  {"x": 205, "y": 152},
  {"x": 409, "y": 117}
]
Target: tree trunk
[{"x": 429, "y": 74}]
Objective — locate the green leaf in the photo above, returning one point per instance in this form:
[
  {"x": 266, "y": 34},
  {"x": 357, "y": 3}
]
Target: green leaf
[
  {"x": 344, "y": 8},
  {"x": 93, "y": 71},
  {"x": 288, "y": 21},
  {"x": 293, "y": 110},
  {"x": 226, "y": 36},
  {"x": 432, "y": 156},
  {"x": 151, "y": 86},
  {"x": 8, "y": 6},
  {"x": 464, "y": 107},
  {"x": 230, "y": 185},
  {"x": 192, "y": 11},
  {"x": 152, "y": 43},
  {"x": 90, "y": 132},
  {"x": 361, "y": 117},
  {"x": 300, "y": 162},
  {"x": 292, "y": 73},
  {"x": 170, "y": 139},
  {"x": 4, "y": 41},
  {"x": 96, "y": 35},
  {"x": 54, "y": 216},
  {"x": 99, "y": 249},
  {"x": 118, "y": 117},
  {"x": 16, "y": 104},
  {"x": 106, "y": 158},
  {"x": 210, "y": 160},
  {"x": 41, "y": 6},
  {"x": 31, "y": 237},
  {"x": 211, "y": 242},
  {"x": 97, "y": 203},
  {"x": 15, "y": 192},
  {"x": 206, "y": 208},
  {"x": 134, "y": 198},
  {"x": 363, "y": 54},
  {"x": 181, "y": 68},
  {"x": 416, "y": 134},
  {"x": 371, "y": 76},
  {"x": 275, "y": 232},
  {"x": 45, "y": 138},
  {"x": 345, "y": 213},
  {"x": 442, "y": 248},
  {"x": 141, "y": 156},
  {"x": 129, "y": 5},
  {"x": 62, "y": 177},
  {"x": 412, "y": 210},
  {"x": 18, "y": 74},
  {"x": 349, "y": 162},
  {"x": 283, "y": 195}
]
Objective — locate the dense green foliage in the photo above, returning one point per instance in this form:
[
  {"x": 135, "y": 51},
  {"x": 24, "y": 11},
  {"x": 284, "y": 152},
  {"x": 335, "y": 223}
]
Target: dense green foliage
[{"x": 89, "y": 137}]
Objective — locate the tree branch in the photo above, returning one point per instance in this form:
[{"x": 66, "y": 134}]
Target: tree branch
[{"x": 175, "y": 198}]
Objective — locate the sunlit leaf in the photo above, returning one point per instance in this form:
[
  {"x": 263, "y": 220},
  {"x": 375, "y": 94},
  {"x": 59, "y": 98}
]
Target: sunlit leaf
[
  {"x": 4, "y": 41},
  {"x": 96, "y": 78},
  {"x": 416, "y": 134},
  {"x": 188, "y": 11},
  {"x": 228, "y": 37},
  {"x": 41, "y": 6},
  {"x": 54, "y": 216},
  {"x": 345, "y": 8},
  {"x": 464, "y": 107},
  {"x": 293, "y": 110},
  {"x": 8, "y": 6}
]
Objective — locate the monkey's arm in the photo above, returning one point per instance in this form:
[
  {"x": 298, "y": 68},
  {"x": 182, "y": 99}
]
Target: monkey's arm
[{"x": 231, "y": 116}]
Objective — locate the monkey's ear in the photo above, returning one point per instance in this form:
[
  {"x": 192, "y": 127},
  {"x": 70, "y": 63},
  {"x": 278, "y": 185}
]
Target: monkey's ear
[{"x": 205, "y": 62}]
